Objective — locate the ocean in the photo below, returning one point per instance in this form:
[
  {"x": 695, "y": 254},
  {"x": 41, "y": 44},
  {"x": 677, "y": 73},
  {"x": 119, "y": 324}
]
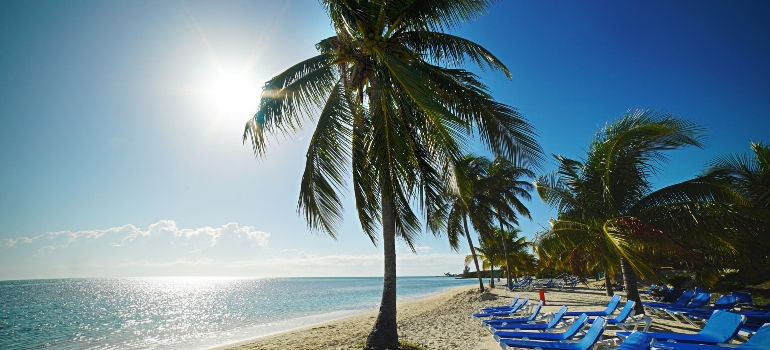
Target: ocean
[{"x": 182, "y": 312}]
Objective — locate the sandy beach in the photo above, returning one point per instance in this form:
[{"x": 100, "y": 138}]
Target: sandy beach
[{"x": 441, "y": 321}]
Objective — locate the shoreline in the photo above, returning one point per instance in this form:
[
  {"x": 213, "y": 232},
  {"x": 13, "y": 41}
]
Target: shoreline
[
  {"x": 355, "y": 317},
  {"x": 440, "y": 321}
]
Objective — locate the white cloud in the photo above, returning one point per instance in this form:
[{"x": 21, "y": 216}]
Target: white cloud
[
  {"x": 7, "y": 242},
  {"x": 164, "y": 237},
  {"x": 419, "y": 249},
  {"x": 45, "y": 250}
]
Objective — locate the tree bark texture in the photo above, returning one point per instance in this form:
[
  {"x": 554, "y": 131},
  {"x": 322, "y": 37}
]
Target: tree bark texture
[
  {"x": 608, "y": 285},
  {"x": 505, "y": 251},
  {"x": 632, "y": 291},
  {"x": 384, "y": 334}
]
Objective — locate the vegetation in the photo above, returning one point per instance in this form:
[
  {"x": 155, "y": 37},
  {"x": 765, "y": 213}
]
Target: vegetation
[
  {"x": 394, "y": 110},
  {"x": 609, "y": 215},
  {"x": 491, "y": 252},
  {"x": 486, "y": 193},
  {"x": 748, "y": 175}
]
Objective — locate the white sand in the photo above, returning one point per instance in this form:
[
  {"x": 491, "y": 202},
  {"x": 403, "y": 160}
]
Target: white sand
[{"x": 441, "y": 321}]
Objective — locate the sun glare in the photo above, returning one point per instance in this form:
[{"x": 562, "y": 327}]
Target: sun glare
[{"x": 234, "y": 94}]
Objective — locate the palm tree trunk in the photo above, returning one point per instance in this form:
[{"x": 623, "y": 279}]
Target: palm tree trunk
[
  {"x": 629, "y": 281},
  {"x": 491, "y": 276},
  {"x": 384, "y": 334},
  {"x": 608, "y": 285},
  {"x": 473, "y": 253},
  {"x": 505, "y": 251}
]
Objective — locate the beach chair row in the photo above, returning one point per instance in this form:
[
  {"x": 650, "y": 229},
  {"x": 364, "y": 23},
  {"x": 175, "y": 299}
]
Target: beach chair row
[
  {"x": 529, "y": 283},
  {"x": 518, "y": 326}
]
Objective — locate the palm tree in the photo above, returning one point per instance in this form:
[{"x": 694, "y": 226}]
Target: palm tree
[
  {"x": 467, "y": 200},
  {"x": 748, "y": 175},
  {"x": 514, "y": 250},
  {"x": 608, "y": 210},
  {"x": 506, "y": 177},
  {"x": 393, "y": 109}
]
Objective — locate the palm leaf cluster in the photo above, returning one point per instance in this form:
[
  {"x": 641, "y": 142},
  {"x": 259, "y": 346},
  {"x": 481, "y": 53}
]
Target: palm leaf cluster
[
  {"x": 393, "y": 109},
  {"x": 486, "y": 193},
  {"x": 610, "y": 217},
  {"x": 748, "y": 175},
  {"x": 385, "y": 106},
  {"x": 504, "y": 248}
]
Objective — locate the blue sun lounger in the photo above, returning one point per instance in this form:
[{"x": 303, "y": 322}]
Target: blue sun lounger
[
  {"x": 509, "y": 320},
  {"x": 622, "y": 319},
  {"x": 514, "y": 310},
  {"x": 725, "y": 302},
  {"x": 571, "y": 332},
  {"x": 501, "y": 307},
  {"x": 611, "y": 306},
  {"x": 682, "y": 301},
  {"x": 555, "y": 319},
  {"x": 589, "y": 340},
  {"x": 760, "y": 341},
  {"x": 636, "y": 341},
  {"x": 721, "y": 327}
]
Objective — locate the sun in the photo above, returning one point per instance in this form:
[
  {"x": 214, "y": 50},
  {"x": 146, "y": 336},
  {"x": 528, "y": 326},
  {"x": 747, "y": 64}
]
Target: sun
[{"x": 234, "y": 94}]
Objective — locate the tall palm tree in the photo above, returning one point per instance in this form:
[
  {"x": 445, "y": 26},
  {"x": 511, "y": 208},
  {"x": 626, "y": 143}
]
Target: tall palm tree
[
  {"x": 517, "y": 257},
  {"x": 608, "y": 209},
  {"x": 467, "y": 200},
  {"x": 507, "y": 182},
  {"x": 393, "y": 108}
]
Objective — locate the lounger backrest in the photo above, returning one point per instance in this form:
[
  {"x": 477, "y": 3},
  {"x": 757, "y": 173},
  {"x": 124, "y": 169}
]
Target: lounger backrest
[
  {"x": 699, "y": 300},
  {"x": 613, "y": 304},
  {"x": 684, "y": 298},
  {"x": 743, "y": 297},
  {"x": 760, "y": 339},
  {"x": 593, "y": 335},
  {"x": 725, "y": 302},
  {"x": 579, "y": 323},
  {"x": 536, "y": 311},
  {"x": 722, "y": 325},
  {"x": 515, "y": 300},
  {"x": 636, "y": 341},
  {"x": 557, "y": 316},
  {"x": 627, "y": 310}
]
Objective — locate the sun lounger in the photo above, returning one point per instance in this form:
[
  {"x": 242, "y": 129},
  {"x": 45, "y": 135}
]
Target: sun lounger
[
  {"x": 510, "y": 312},
  {"x": 588, "y": 341},
  {"x": 501, "y": 307},
  {"x": 698, "y": 301},
  {"x": 650, "y": 307},
  {"x": 553, "y": 319},
  {"x": 636, "y": 341},
  {"x": 725, "y": 302},
  {"x": 743, "y": 299},
  {"x": 721, "y": 327},
  {"x": 624, "y": 319},
  {"x": 611, "y": 306},
  {"x": 509, "y": 320},
  {"x": 760, "y": 341},
  {"x": 571, "y": 332}
]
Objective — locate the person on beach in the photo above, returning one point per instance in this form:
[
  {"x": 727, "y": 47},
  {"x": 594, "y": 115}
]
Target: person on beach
[{"x": 659, "y": 292}]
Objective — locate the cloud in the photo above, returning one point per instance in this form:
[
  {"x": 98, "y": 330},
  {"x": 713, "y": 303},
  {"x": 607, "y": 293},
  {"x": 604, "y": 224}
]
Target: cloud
[
  {"x": 163, "y": 238},
  {"x": 7, "y": 242},
  {"x": 420, "y": 249},
  {"x": 45, "y": 250}
]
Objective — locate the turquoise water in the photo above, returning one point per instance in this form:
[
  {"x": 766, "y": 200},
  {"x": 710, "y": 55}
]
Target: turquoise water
[{"x": 181, "y": 312}]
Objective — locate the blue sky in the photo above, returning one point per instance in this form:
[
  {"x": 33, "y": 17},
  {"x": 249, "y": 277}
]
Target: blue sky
[{"x": 120, "y": 146}]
